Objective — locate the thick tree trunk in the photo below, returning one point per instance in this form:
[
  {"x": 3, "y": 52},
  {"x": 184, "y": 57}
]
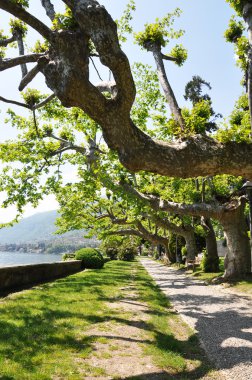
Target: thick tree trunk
[
  {"x": 212, "y": 260},
  {"x": 190, "y": 245},
  {"x": 238, "y": 258},
  {"x": 247, "y": 15},
  {"x": 167, "y": 255}
]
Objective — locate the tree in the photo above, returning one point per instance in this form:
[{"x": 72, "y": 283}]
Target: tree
[
  {"x": 86, "y": 32},
  {"x": 64, "y": 61},
  {"x": 230, "y": 215}
]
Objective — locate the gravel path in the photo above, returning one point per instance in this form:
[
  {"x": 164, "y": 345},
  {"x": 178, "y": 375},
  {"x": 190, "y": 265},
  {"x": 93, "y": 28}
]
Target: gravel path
[{"x": 222, "y": 320}]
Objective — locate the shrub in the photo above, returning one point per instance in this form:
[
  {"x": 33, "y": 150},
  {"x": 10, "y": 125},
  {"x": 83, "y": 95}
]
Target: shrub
[
  {"x": 112, "y": 253},
  {"x": 91, "y": 258},
  {"x": 145, "y": 252},
  {"x": 68, "y": 256},
  {"x": 156, "y": 255},
  {"x": 184, "y": 251},
  {"x": 127, "y": 254},
  {"x": 210, "y": 264}
]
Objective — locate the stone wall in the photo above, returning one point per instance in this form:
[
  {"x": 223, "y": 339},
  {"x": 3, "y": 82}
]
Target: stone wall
[{"x": 24, "y": 275}]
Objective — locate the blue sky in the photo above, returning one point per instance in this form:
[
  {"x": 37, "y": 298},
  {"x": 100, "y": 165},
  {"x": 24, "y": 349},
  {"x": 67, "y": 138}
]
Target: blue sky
[{"x": 209, "y": 55}]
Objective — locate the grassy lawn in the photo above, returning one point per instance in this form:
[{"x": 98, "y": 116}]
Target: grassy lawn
[{"x": 44, "y": 331}]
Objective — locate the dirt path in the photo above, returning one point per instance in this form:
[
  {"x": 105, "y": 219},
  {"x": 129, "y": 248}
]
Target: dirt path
[
  {"x": 119, "y": 348},
  {"x": 223, "y": 320},
  {"x": 119, "y": 351}
]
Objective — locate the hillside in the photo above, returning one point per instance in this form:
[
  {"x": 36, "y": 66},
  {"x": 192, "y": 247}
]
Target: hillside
[{"x": 38, "y": 227}]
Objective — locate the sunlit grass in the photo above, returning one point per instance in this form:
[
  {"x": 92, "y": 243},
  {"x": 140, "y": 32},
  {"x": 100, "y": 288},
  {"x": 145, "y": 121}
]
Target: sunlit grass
[
  {"x": 44, "y": 332},
  {"x": 244, "y": 286}
]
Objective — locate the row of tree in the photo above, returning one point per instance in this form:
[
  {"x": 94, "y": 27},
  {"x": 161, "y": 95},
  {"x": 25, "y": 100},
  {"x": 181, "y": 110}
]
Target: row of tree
[{"x": 192, "y": 174}]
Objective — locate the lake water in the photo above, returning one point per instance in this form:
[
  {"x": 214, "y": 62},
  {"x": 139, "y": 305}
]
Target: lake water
[{"x": 16, "y": 258}]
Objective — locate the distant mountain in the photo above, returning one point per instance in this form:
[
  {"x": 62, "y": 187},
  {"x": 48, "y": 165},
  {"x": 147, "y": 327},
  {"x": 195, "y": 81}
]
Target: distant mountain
[{"x": 38, "y": 227}]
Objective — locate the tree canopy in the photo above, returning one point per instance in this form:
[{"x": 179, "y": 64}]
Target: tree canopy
[
  {"x": 135, "y": 118},
  {"x": 87, "y": 31}
]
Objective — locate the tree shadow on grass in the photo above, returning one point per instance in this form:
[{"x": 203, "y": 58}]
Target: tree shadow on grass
[{"x": 29, "y": 329}]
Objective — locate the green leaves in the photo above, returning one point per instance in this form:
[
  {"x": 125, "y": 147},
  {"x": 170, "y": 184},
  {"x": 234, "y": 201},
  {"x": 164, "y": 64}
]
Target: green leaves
[
  {"x": 160, "y": 32},
  {"x": 65, "y": 21},
  {"x": 239, "y": 127},
  {"x": 19, "y": 26},
  {"x": 22, "y": 3},
  {"x": 237, "y": 5},
  {"x": 179, "y": 53},
  {"x": 241, "y": 52},
  {"x": 2, "y": 48},
  {"x": 123, "y": 24},
  {"x": 40, "y": 47},
  {"x": 235, "y": 30},
  {"x": 32, "y": 96}
]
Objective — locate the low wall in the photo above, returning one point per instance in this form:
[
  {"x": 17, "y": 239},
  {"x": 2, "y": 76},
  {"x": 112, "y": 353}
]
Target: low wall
[{"x": 24, "y": 275}]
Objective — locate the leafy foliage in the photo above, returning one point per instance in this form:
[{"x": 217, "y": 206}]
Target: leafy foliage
[
  {"x": 91, "y": 258},
  {"x": 193, "y": 90},
  {"x": 40, "y": 47},
  {"x": 19, "y": 26},
  {"x": 65, "y": 21},
  {"x": 237, "y": 5},
  {"x": 2, "y": 48},
  {"x": 235, "y": 30},
  {"x": 179, "y": 53},
  {"x": 32, "y": 96},
  {"x": 238, "y": 129},
  {"x": 160, "y": 32},
  {"x": 210, "y": 264},
  {"x": 23, "y": 3},
  {"x": 68, "y": 256},
  {"x": 112, "y": 253},
  {"x": 127, "y": 253},
  {"x": 124, "y": 26},
  {"x": 241, "y": 51}
]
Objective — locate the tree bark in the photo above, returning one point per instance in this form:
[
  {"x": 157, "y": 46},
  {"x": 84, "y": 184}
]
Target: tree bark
[
  {"x": 169, "y": 94},
  {"x": 212, "y": 259},
  {"x": 191, "y": 247},
  {"x": 66, "y": 70},
  {"x": 247, "y": 15},
  {"x": 238, "y": 257}
]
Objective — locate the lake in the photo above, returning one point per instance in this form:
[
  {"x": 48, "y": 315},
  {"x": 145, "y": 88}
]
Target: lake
[{"x": 17, "y": 258}]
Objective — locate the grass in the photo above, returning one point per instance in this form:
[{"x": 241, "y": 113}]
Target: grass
[
  {"x": 244, "y": 286},
  {"x": 44, "y": 331},
  {"x": 208, "y": 277},
  {"x": 199, "y": 274}
]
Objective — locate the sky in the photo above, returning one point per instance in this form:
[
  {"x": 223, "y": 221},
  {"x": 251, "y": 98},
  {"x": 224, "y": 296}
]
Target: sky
[{"x": 209, "y": 56}]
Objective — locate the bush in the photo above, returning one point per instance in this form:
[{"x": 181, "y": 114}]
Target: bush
[
  {"x": 127, "y": 254},
  {"x": 210, "y": 264},
  {"x": 145, "y": 252},
  {"x": 68, "y": 256},
  {"x": 91, "y": 258},
  {"x": 156, "y": 255},
  {"x": 184, "y": 251},
  {"x": 112, "y": 253}
]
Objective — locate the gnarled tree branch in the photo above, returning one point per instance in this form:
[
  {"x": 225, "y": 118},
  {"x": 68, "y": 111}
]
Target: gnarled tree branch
[
  {"x": 28, "y": 77},
  {"x": 14, "y": 102},
  {"x": 7, "y": 41},
  {"x": 49, "y": 9},
  {"x": 44, "y": 102},
  {"x": 12, "y": 62}
]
